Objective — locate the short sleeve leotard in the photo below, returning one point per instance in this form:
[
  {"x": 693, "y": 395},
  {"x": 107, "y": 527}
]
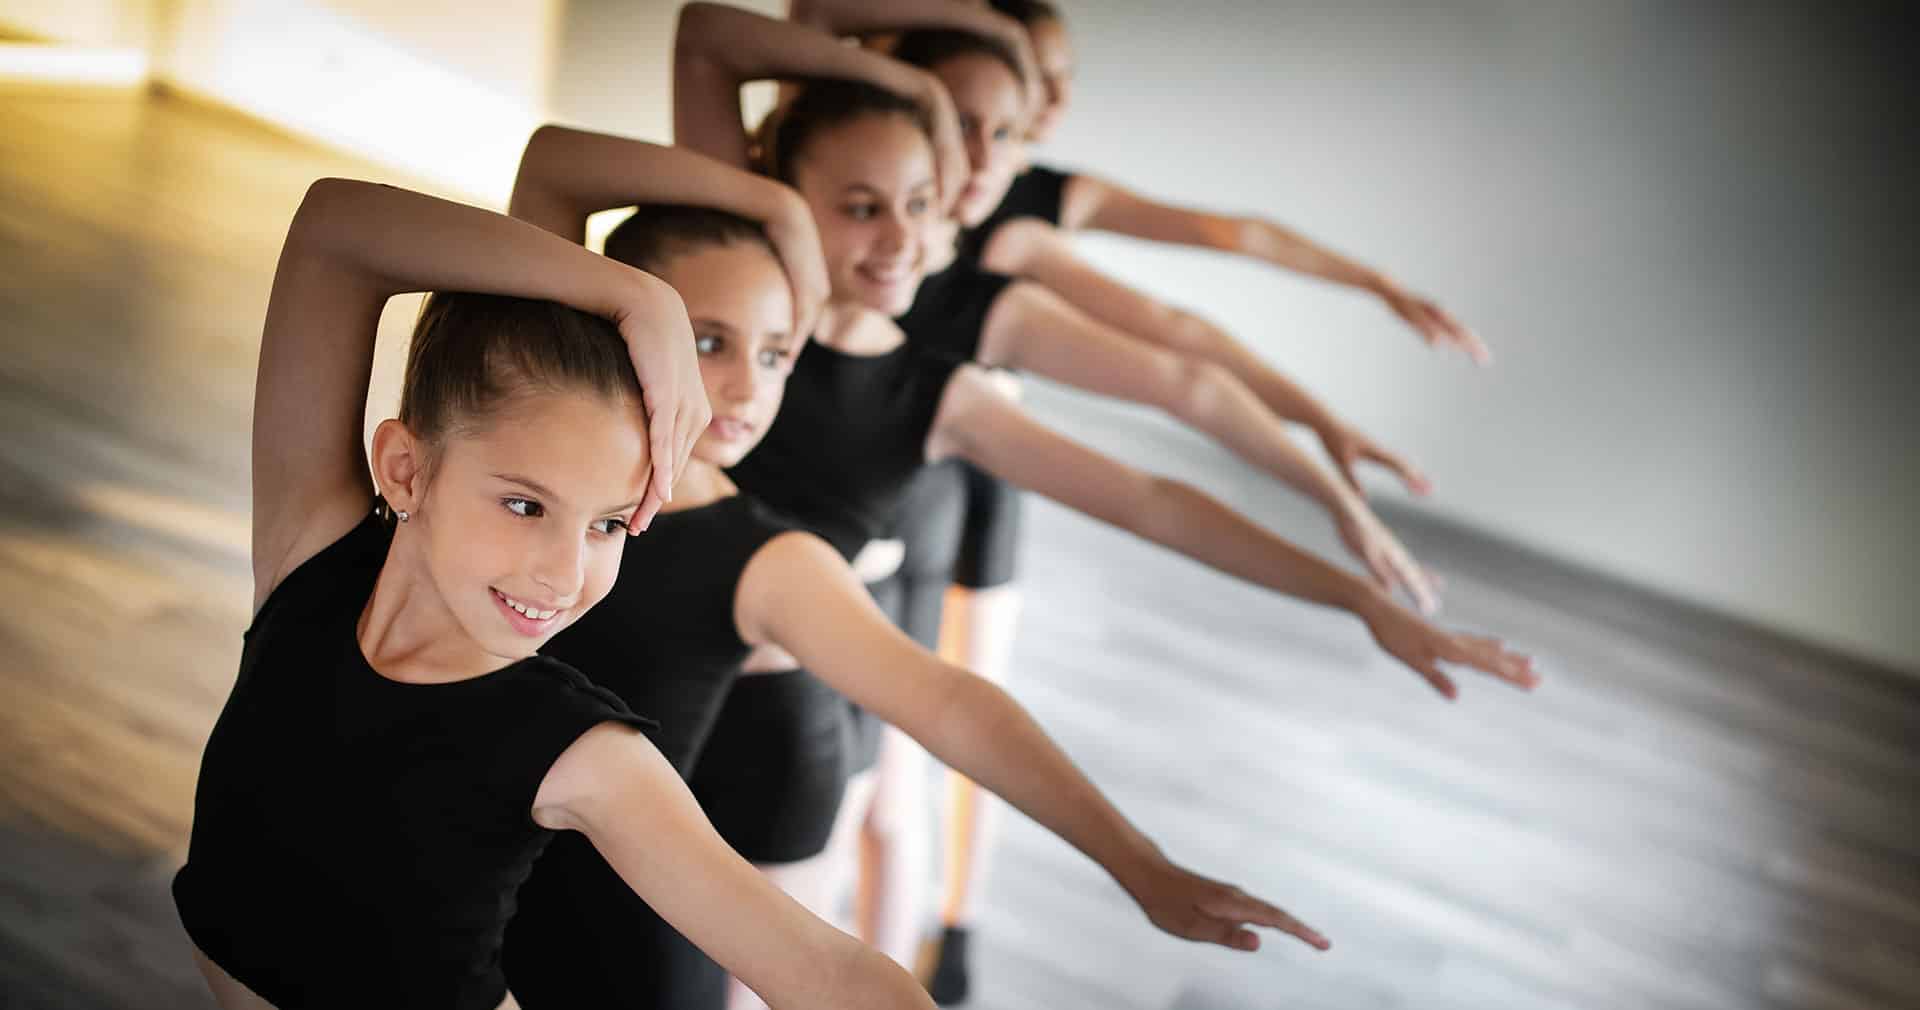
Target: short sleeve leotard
[
  {"x": 665, "y": 641},
  {"x": 358, "y": 841}
]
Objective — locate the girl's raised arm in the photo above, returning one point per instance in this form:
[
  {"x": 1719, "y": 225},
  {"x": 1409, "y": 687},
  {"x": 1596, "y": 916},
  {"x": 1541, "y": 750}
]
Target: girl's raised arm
[
  {"x": 864, "y": 18},
  {"x": 979, "y": 424},
  {"x": 612, "y": 786},
  {"x": 798, "y": 594},
  {"x": 353, "y": 245},
  {"x": 717, "y": 48},
  {"x": 568, "y": 175}
]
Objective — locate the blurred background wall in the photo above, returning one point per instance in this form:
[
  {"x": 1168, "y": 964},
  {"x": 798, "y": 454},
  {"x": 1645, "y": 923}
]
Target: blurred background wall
[{"x": 1685, "y": 229}]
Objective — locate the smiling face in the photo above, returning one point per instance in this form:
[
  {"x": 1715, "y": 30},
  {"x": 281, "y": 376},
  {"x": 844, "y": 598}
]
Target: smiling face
[
  {"x": 1055, "y": 55},
  {"x": 517, "y": 528},
  {"x": 741, "y": 307},
  {"x": 870, "y": 184},
  {"x": 988, "y": 97}
]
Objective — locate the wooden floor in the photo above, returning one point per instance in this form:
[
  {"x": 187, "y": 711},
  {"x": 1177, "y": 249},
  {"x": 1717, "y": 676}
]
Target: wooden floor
[{"x": 1691, "y": 814}]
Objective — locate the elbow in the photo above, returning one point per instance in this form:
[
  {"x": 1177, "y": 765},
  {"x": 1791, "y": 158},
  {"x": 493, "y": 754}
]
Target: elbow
[{"x": 1197, "y": 390}]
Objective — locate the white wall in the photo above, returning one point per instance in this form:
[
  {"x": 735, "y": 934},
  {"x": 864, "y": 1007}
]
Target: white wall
[{"x": 1686, "y": 233}]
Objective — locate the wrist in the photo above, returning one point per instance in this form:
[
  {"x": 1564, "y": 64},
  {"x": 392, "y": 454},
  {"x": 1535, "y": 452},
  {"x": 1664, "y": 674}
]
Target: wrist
[{"x": 1137, "y": 864}]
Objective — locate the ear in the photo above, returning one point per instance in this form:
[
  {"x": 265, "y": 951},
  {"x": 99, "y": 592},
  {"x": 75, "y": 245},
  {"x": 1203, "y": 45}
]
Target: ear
[{"x": 399, "y": 465}]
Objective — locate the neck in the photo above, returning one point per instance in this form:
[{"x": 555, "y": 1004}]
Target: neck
[
  {"x": 406, "y": 631},
  {"x": 700, "y": 484},
  {"x": 853, "y": 328}
]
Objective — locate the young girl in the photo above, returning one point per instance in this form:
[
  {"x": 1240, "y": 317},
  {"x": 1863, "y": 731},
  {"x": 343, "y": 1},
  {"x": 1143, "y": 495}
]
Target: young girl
[
  {"x": 864, "y": 411},
  {"x": 1023, "y": 236},
  {"x": 394, "y": 754},
  {"x": 746, "y": 579}
]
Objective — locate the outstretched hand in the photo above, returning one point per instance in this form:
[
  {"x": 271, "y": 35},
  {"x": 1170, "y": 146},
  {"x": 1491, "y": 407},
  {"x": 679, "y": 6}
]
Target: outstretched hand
[
  {"x": 1436, "y": 325},
  {"x": 1193, "y": 907},
  {"x": 1349, "y": 448},
  {"x": 1424, "y": 647},
  {"x": 661, "y": 345}
]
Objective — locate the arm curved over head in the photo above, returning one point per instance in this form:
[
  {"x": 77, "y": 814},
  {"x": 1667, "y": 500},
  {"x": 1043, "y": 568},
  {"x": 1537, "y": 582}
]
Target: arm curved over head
[
  {"x": 568, "y": 175},
  {"x": 353, "y": 245},
  {"x": 984, "y": 427},
  {"x": 612, "y": 786},
  {"x": 799, "y": 594},
  {"x": 717, "y": 48},
  {"x": 862, "y": 18}
]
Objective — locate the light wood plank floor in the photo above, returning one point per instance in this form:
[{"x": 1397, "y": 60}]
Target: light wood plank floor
[{"x": 1691, "y": 814}]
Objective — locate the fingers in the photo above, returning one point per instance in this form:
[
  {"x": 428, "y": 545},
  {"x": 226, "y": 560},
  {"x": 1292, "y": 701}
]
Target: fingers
[
  {"x": 1345, "y": 464},
  {"x": 1235, "y": 907},
  {"x": 1428, "y": 667},
  {"x": 1460, "y": 336},
  {"x": 1489, "y": 655},
  {"x": 1409, "y": 475}
]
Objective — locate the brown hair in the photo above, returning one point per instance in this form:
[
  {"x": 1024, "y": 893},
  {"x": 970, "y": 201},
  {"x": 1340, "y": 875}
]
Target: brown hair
[
  {"x": 927, "y": 48},
  {"x": 1027, "y": 12},
  {"x": 659, "y": 232},
  {"x": 473, "y": 355},
  {"x": 821, "y": 105}
]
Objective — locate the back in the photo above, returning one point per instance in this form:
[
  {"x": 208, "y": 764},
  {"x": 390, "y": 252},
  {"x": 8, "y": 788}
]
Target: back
[{"x": 355, "y": 835}]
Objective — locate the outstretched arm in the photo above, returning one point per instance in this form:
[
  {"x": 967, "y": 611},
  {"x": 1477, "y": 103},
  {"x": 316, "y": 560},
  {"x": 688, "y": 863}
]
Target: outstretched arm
[
  {"x": 568, "y": 175},
  {"x": 612, "y": 786},
  {"x": 979, "y": 424},
  {"x": 1092, "y": 202},
  {"x": 351, "y": 246},
  {"x": 717, "y": 48},
  {"x": 798, "y": 594},
  {"x": 1033, "y": 249},
  {"x": 1033, "y": 329}
]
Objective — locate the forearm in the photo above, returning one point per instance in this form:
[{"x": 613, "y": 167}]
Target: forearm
[
  {"x": 1290, "y": 250},
  {"x": 1177, "y": 516},
  {"x": 567, "y": 175},
  {"x": 397, "y": 241},
  {"x": 749, "y": 47},
  {"x": 988, "y": 737},
  {"x": 864, "y": 17}
]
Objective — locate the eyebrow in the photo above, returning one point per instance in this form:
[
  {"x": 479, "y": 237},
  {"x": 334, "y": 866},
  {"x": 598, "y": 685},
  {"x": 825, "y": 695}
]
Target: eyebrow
[
  {"x": 541, "y": 490},
  {"x": 718, "y": 324}
]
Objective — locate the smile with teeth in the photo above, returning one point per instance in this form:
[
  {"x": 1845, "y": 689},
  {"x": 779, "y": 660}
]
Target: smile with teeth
[{"x": 533, "y": 613}]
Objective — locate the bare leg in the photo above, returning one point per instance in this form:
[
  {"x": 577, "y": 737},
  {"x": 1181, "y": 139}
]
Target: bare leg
[
  {"x": 977, "y": 633},
  {"x": 896, "y": 853}
]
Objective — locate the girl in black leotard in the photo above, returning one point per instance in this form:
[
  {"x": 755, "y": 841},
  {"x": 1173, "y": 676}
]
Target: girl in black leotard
[
  {"x": 1023, "y": 236},
  {"x": 394, "y": 755},
  {"x": 861, "y": 156},
  {"x": 746, "y": 578}
]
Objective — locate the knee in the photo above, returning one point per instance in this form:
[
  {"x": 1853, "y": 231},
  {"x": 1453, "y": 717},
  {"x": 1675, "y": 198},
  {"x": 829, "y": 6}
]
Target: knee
[{"x": 1198, "y": 388}]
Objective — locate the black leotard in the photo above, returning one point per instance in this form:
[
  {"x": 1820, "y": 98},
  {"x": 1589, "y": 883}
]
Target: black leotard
[
  {"x": 357, "y": 840},
  {"x": 1038, "y": 192},
  {"x": 850, "y": 437},
  {"x": 664, "y": 640}
]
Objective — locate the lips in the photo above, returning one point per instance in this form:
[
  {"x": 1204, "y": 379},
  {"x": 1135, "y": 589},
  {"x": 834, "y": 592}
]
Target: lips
[
  {"x": 730, "y": 429},
  {"x": 530, "y": 619}
]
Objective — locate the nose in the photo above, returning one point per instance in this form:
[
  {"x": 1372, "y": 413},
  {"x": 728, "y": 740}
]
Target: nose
[
  {"x": 740, "y": 383},
  {"x": 559, "y": 564},
  {"x": 979, "y": 146},
  {"x": 895, "y": 232}
]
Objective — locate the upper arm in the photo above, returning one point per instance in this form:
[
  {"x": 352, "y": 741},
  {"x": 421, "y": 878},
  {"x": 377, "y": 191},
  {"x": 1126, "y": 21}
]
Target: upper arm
[
  {"x": 614, "y": 787},
  {"x": 1092, "y": 202},
  {"x": 311, "y": 482},
  {"x": 536, "y": 199},
  {"x": 985, "y": 427},
  {"x": 706, "y": 93},
  {"x": 797, "y": 593}
]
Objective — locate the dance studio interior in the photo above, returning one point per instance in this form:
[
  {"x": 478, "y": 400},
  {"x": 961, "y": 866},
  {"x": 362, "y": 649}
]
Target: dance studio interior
[{"x": 1659, "y": 443}]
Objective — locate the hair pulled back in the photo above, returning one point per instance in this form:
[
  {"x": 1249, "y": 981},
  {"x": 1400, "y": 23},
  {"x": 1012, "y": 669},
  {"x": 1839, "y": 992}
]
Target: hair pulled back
[
  {"x": 927, "y": 48},
  {"x": 658, "y": 233},
  {"x": 474, "y": 355},
  {"x": 1027, "y": 12},
  {"x": 822, "y": 105}
]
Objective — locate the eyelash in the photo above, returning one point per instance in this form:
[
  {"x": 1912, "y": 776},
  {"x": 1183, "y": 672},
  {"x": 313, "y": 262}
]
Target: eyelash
[{"x": 536, "y": 510}]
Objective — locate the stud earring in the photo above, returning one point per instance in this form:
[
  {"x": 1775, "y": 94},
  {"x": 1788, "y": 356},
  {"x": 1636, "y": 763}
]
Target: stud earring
[{"x": 402, "y": 514}]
